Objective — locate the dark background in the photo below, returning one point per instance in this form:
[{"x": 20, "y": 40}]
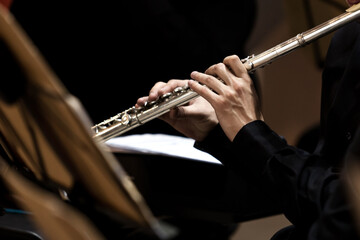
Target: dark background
[{"x": 109, "y": 53}]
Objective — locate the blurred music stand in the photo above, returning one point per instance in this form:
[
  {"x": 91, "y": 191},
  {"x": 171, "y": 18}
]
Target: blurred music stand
[
  {"x": 47, "y": 134},
  {"x": 57, "y": 219}
]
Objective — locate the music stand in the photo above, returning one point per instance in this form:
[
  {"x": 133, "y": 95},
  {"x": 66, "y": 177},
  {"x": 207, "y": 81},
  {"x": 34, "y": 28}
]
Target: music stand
[
  {"x": 57, "y": 219},
  {"x": 47, "y": 133}
]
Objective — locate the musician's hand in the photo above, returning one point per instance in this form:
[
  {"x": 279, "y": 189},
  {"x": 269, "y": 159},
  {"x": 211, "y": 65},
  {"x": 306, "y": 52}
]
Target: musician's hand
[
  {"x": 194, "y": 119},
  {"x": 235, "y": 100}
]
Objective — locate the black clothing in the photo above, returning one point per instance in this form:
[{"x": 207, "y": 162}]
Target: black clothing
[
  {"x": 353, "y": 152},
  {"x": 306, "y": 184}
]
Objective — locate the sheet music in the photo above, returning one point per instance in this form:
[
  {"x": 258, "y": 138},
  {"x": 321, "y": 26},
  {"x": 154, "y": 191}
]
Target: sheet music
[{"x": 160, "y": 144}]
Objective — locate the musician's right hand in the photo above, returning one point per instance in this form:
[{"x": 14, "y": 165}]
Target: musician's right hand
[{"x": 194, "y": 120}]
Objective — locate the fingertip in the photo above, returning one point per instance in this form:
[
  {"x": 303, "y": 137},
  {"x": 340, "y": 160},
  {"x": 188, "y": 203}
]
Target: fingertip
[
  {"x": 141, "y": 101},
  {"x": 191, "y": 83},
  {"x": 194, "y": 73},
  {"x": 153, "y": 96}
]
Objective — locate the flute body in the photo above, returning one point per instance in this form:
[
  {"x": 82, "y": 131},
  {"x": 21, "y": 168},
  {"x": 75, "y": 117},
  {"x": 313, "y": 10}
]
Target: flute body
[{"x": 134, "y": 117}]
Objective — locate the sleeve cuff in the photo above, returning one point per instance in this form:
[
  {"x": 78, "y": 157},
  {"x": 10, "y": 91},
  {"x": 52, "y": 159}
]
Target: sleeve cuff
[
  {"x": 255, "y": 143},
  {"x": 216, "y": 143}
]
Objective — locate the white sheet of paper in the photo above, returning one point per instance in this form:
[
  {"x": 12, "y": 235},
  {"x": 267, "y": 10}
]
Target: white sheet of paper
[{"x": 159, "y": 144}]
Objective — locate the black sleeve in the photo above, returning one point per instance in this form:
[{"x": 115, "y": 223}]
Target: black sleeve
[
  {"x": 217, "y": 144},
  {"x": 309, "y": 189}
]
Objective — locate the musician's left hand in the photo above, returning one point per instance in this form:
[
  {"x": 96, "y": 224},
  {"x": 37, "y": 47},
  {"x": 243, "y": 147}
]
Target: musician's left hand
[
  {"x": 235, "y": 100},
  {"x": 194, "y": 119}
]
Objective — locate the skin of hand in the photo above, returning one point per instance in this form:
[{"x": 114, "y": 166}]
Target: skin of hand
[
  {"x": 194, "y": 119},
  {"x": 235, "y": 100}
]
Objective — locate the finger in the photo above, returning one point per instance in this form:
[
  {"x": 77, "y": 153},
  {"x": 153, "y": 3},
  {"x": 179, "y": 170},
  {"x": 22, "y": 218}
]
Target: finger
[
  {"x": 172, "y": 116},
  {"x": 141, "y": 102},
  {"x": 208, "y": 80},
  {"x": 236, "y": 66},
  {"x": 181, "y": 112},
  {"x": 153, "y": 94},
  {"x": 171, "y": 85},
  {"x": 222, "y": 72},
  {"x": 176, "y": 114},
  {"x": 204, "y": 91}
]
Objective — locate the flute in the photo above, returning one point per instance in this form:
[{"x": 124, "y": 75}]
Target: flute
[{"x": 134, "y": 117}]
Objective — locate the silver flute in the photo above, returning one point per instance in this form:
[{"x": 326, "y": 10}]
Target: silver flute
[{"x": 134, "y": 117}]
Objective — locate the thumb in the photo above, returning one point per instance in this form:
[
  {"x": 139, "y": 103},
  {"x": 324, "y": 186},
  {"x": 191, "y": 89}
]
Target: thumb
[{"x": 174, "y": 113}]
